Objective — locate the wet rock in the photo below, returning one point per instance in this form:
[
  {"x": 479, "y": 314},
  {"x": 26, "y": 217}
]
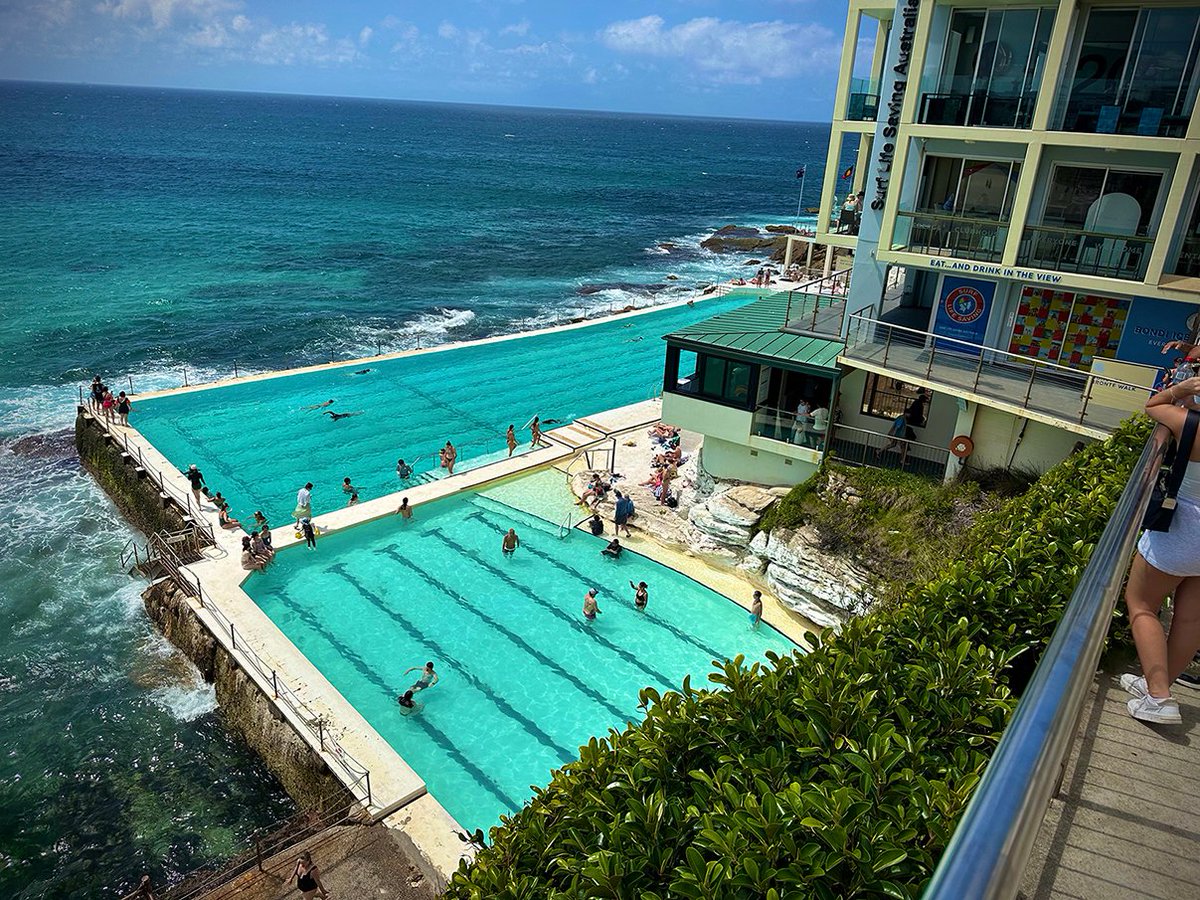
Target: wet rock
[
  {"x": 752, "y": 262},
  {"x": 783, "y": 229},
  {"x": 736, "y": 231},
  {"x": 55, "y": 445}
]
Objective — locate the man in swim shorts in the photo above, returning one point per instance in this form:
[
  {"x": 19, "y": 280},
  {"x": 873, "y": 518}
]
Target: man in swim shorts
[
  {"x": 510, "y": 543},
  {"x": 590, "y": 608},
  {"x": 335, "y": 416},
  {"x": 320, "y": 405},
  {"x": 428, "y": 678}
]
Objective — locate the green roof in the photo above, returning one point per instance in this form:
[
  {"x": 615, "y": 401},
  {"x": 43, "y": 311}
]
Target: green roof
[{"x": 754, "y": 332}]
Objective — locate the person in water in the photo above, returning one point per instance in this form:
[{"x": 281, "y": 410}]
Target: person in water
[
  {"x": 403, "y": 469},
  {"x": 320, "y": 405},
  {"x": 427, "y": 679},
  {"x": 510, "y": 543},
  {"x": 448, "y": 455},
  {"x": 613, "y": 550},
  {"x": 362, "y": 371},
  {"x": 510, "y": 437},
  {"x": 756, "y": 610},
  {"x": 641, "y": 596},
  {"x": 408, "y": 706},
  {"x": 335, "y": 416},
  {"x": 591, "y": 609},
  {"x": 405, "y": 511}
]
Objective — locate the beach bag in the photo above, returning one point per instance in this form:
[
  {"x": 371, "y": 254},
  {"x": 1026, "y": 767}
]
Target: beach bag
[{"x": 1161, "y": 510}]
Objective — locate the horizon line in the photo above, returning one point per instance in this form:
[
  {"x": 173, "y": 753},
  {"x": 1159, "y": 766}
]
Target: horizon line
[{"x": 385, "y": 99}]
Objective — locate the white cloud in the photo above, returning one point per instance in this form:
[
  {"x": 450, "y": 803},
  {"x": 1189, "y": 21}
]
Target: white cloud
[
  {"x": 448, "y": 30},
  {"x": 302, "y": 44},
  {"x": 591, "y": 76},
  {"x": 729, "y": 51},
  {"x": 163, "y": 13},
  {"x": 364, "y": 36},
  {"x": 520, "y": 29}
]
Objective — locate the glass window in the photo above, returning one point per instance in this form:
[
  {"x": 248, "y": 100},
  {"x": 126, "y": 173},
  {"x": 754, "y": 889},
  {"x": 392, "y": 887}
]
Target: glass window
[
  {"x": 713, "y": 381},
  {"x": 1108, "y": 201},
  {"x": 980, "y": 188},
  {"x": 886, "y": 398},
  {"x": 1136, "y": 72},
  {"x": 685, "y": 379}
]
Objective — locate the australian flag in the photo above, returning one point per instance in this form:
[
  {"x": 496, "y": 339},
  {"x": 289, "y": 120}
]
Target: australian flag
[{"x": 800, "y": 172}]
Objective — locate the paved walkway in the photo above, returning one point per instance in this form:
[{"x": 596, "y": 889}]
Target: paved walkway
[
  {"x": 1126, "y": 823},
  {"x": 355, "y": 861}
]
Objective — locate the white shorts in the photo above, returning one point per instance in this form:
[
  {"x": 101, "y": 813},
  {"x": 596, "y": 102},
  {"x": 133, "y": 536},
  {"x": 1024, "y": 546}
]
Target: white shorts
[{"x": 1176, "y": 552}]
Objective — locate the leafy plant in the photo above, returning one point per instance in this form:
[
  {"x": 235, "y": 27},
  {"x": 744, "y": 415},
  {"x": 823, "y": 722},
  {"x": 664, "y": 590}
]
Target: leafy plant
[{"x": 835, "y": 773}]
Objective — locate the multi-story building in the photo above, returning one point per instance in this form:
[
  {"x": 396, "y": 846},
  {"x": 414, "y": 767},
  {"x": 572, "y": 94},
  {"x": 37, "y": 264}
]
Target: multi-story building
[{"x": 1020, "y": 188}]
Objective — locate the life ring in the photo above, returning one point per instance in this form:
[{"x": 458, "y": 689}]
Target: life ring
[{"x": 962, "y": 446}]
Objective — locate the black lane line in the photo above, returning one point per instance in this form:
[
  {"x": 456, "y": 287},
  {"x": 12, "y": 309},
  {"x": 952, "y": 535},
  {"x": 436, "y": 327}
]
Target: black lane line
[
  {"x": 455, "y": 413},
  {"x": 435, "y": 734},
  {"x": 462, "y": 601},
  {"x": 529, "y": 725},
  {"x": 662, "y": 623},
  {"x": 540, "y": 522},
  {"x": 663, "y": 680}
]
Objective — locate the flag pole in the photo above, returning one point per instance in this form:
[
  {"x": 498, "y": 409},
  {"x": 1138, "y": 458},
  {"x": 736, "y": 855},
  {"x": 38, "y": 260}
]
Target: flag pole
[{"x": 800, "y": 200}]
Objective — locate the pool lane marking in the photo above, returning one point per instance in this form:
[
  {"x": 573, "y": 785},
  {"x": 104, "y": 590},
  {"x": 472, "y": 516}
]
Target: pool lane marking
[
  {"x": 549, "y": 663},
  {"x": 715, "y": 655},
  {"x": 663, "y": 681},
  {"x": 528, "y": 724},
  {"x": 435, "y": 734}
]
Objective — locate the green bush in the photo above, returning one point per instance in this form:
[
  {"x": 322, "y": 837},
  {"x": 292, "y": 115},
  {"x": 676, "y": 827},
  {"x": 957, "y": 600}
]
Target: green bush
[{"x": 836, "y": 773}]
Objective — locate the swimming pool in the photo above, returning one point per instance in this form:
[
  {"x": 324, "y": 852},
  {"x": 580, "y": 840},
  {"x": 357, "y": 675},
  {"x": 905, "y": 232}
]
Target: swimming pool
[
  {"x": 257, "y": 444},
  {"x": 524, "y": 680}
]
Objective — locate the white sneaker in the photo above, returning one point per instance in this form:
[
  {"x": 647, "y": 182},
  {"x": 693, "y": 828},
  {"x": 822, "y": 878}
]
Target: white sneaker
[
  {"x": 1135, "y": 684},
  {"x": 1151, "y": 709}
]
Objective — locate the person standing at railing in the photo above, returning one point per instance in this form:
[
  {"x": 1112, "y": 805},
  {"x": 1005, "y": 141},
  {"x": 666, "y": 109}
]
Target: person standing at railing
[
  {"x": 196, "y": 478},
  {"x": 803, "y": 423},
  {"x": 1167, "y": 563},
  {"x": 820, "y": 426},
  {"x": 123, "y": 408}
]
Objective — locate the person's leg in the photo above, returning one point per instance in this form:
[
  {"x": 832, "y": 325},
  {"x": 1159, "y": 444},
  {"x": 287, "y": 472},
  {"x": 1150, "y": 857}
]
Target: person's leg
[
  {"x": 1184, "y": 638},
  {"x": 1144, "y": 595}
]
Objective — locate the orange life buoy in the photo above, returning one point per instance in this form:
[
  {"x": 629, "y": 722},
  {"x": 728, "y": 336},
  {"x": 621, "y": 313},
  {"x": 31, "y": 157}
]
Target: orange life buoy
[{"x": 962, "y": 446}]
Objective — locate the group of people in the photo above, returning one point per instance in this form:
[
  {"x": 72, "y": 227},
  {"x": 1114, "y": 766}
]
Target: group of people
[
  {"x": 811, "y": 425},
  {"x": 901, "y": 433},
  {"x": 114, "y": 408}
]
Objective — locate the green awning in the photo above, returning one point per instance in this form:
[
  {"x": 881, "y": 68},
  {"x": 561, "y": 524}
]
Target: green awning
[{"x": 753, "y": 332}]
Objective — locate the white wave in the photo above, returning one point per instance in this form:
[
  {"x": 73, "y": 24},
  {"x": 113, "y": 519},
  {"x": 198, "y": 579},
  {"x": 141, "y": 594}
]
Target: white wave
[
  {"x": 656, "y": 251},
  {"x": 186, "y": 702},
  {"x": 426, "y": 330}
]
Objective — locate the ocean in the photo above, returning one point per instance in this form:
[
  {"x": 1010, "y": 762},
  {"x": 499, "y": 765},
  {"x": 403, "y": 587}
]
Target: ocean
[{"x": 152, "y": 236}]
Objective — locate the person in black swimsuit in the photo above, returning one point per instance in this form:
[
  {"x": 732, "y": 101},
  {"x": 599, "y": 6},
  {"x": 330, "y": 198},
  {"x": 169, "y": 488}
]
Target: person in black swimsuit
[
  {"x": 640, "y": 595},
  {"x": 123, "y": 408},
  {"x": 308, "y": 877},
  {"x": 336, "y": 416}
]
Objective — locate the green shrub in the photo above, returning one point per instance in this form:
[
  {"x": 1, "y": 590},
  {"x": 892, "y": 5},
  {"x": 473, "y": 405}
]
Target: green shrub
[{"x": 836, "y": 773}]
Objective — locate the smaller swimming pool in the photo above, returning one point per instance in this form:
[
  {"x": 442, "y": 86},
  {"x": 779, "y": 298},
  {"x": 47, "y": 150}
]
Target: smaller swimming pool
[{"x": 524, "y": 679}]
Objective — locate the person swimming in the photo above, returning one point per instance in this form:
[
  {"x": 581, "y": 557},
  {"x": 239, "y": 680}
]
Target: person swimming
[
  {"x": 427, "y": 679},
  {"x": 403, "y": 469},
  {"x": 336, "y": 415},
  {"x": 640, "y": 595},
  {"x": 362, "y": 371},
  {"x": 319, "y": 405},
  {"x": 408, "y": 706}
]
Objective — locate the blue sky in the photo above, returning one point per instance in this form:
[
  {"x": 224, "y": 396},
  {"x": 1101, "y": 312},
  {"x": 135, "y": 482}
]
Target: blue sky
[{"x": 774, "y": 59}]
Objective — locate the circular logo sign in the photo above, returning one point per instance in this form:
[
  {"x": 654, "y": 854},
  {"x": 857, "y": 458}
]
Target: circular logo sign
[{"x": 964, "y": 304}]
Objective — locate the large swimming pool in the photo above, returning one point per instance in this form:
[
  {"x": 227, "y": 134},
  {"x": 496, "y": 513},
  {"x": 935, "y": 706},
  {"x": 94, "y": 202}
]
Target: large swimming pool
[
  {"x": 257, "y": 444},
  {"x": 524, "y": 679}
]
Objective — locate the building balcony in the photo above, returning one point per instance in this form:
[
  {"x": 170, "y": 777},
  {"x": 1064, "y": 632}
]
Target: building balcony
[
  {"x": 1060, "y": 249},
  {"x": 863, "y": 103},
  {"x": 977, "y": 109},
  {"x": 941, "y": 234},
  {"x": 1025, "y": 386},
  {"x": 1092, "y": 117}
]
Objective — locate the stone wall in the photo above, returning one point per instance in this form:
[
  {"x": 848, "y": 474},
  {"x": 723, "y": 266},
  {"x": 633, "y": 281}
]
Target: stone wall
[
  {"x": 135, "y": 493},
  {"x": 247, "y": 711}
]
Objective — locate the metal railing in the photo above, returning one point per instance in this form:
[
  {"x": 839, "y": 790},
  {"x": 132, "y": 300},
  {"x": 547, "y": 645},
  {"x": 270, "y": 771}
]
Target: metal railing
[
  {"x": 778, "y": 424},
  {"x": 808, "y": 304},
  {"x": 1085, "y": 252},
  {"x": 872, "y": 449},
  {"x": 358, "y": 777},
  {"x": 942, "y": 234},
  {"x": 1021, "y": 381},
  {"x": 991, "y": 846}
]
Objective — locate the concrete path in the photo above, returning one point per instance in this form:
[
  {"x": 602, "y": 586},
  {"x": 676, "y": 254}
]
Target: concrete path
[
  {"x": 1127, "y": 821},
  {"x": 356, "y": 861}
]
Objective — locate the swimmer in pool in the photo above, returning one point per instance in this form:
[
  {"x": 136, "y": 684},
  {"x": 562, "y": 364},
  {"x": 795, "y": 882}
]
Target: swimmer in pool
[
  {"x": 362, "y": 371},
  {"x": 510, "y": 543},
  {"x": 640, "y": 595},
  {"x": 408, "y": 706},
  {"x": 336, "y": 416},
  {"x": 428, "y": 678},
  {"x": 319, "y": 405},
  {"x": 590, "y": 608}
]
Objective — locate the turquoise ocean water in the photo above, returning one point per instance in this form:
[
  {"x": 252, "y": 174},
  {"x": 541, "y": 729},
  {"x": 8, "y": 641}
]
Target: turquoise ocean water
[{"x": 148, "y": 232}]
